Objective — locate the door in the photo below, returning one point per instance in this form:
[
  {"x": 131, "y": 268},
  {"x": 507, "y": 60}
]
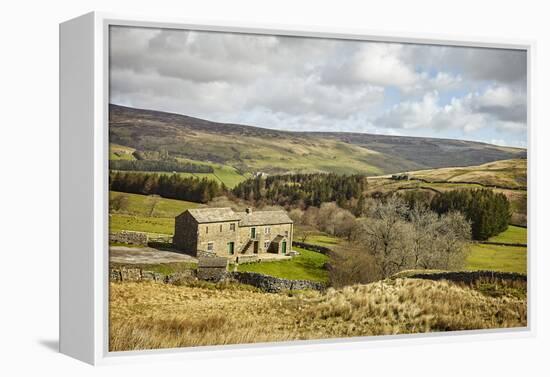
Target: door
[
  {"x": 231, "y": 248},
  {"x": 283, "y": 247},
  {"x": 255, "y": 246}
]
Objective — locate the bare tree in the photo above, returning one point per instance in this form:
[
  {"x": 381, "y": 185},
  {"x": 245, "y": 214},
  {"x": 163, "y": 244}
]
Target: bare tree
[
  {"x": 453, "y": 234},
  {"x": 345, "y": 225},
  {"x": 151, "y": 203},
  {"x": 296, "y": 215},
  {"x": 350, "y": 264},
  {"x": 311, "y": 217},
  {"x": 119, "y": 203},
  {"x": 424, "y": 223},
  {"x": 304, "y": 235},
  {"x": 385, "y": 234},
  {"x": 393, "y": 237}
]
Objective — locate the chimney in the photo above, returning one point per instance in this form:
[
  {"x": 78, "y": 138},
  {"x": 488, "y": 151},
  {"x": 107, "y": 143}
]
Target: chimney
[{"x": 249, "y": 210}]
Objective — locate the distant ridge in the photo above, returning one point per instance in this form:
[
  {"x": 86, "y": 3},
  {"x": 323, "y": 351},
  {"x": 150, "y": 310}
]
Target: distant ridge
[{"x": 252, "y": 149}]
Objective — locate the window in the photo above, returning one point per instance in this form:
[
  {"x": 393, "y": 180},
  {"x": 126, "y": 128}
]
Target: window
[
  {"x": 267, "y": 230},
  {"x": 252, "y": 233},
  {"x": 266, "y": 245},
  {"x": 210, "y": 246},
  {"x": 232, "y": 227},
  {"x": 286, "y": 233},
  {"x": 221, "y": 227},
  {"x": 206, "y": 230}
]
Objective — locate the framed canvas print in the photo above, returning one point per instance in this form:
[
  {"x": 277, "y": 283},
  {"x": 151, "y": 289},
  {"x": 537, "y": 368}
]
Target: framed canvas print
[{"x": 225, "y": 187}]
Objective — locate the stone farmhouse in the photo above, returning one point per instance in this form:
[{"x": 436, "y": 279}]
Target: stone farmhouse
[{"x": 223, "y": 232}]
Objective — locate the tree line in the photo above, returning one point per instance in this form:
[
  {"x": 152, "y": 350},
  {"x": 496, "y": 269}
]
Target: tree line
[
  {"x": 327, "y": 202},
  {"x": 159, "y": 166},
  {"x": 489, "y": 212},
  {"x": 173, "y": 186},
  {"x": 302, "y": 190}
]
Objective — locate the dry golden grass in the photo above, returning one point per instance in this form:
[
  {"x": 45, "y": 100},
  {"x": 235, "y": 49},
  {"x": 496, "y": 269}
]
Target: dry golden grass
[
  {"x": 509, "y": 173},
  {"x": 153, "y": 315}
]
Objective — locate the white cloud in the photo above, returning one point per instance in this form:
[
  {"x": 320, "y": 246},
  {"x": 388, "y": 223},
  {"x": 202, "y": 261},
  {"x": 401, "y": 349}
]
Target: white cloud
[
  {"x": 380, "y": 64},
  {"x": 320, "y": 84},
  {"x": 386, "y": 64},
  {"x": 466, "y": 114},
  {"x": 444, "y": 80},
  {"x": 499, "y": 96}
]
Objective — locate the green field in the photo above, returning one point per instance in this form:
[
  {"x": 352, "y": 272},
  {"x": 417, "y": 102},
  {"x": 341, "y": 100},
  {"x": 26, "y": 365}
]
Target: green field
[
  {"x": 497, "y": 258},
  {"x": 222, "y": 174},
  {"x": 225, "y": 174},
  {"x": 153, "y": 206},
  {"x": 309, "y": 265},
  {"x": 323, "y": 240},
  {"x": 156, "y": 225},
  {"x": 120, "y": 152},
  {"x": 149, "y": 214},
  {"x": 315, "y": 237},
  {"x": 514, "y": 234}
]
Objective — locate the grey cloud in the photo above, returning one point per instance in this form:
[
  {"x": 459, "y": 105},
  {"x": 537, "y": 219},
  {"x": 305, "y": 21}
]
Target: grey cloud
[
  {"x": 485, "y": 64},
  {"x": 315, "y": 84}
]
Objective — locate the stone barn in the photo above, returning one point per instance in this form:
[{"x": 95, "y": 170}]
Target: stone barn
[
  {"x": 223, "y": 232},
  {"x": 212, "y": 268}
]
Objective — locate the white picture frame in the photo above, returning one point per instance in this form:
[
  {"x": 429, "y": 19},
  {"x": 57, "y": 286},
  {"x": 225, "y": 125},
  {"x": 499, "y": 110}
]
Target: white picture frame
[{"x": 84, "y": 85}]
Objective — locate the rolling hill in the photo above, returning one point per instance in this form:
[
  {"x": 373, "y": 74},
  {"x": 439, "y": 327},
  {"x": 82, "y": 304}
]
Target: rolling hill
[
  {"x": 251, "y": 149},
  {"x": 507, "y": 176}
]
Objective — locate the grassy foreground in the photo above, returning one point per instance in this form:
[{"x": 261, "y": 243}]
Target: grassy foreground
[{"x": 152, "y": 315}]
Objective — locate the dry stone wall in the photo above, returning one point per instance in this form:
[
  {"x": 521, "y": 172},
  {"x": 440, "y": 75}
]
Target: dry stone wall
[
  {"x": 471, "y": 276},
  {"x": 273, "y": 284},
  {"x": 247, "y": 258},
  {"x": 264, "y": 282},
  {"x": 133, "y": 238},
  {"x": 137, "y": 274},
  {"x": 308, "y": 246}
]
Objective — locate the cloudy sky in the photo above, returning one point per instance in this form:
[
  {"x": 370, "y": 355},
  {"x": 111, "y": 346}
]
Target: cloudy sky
[{"x": 308, "y": 84}]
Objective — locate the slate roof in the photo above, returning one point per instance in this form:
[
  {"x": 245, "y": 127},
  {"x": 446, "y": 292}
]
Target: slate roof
[
  {"x": 213, "y": 215},
  {"x": 263, "y": 218}
]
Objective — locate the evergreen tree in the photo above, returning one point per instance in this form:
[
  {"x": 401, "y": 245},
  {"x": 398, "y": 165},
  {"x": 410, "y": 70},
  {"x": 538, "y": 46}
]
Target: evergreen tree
[{"x": 488, "y": 212}]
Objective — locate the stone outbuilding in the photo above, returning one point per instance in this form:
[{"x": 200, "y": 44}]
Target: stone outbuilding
[
  {"x": 223, "y": 232},
  {"x": 212, "y": 268}
]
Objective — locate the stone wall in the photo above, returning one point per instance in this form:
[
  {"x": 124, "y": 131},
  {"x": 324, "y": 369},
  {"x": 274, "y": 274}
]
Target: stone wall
[
  {"x": 272, "y": 284},
  {"x": 247, "y": 258},
  {"x": 137, "y": 274},
  {"x": 212, "y": 274},
  {"x": 205, "y": 254},
  {"x": 264, "y": 282},
  {"x": 471, "y": 276},
  {"x": 308, "y": 246},
  {"x": 212, "y": 269},
  {"x": 133, "y": 238}
]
